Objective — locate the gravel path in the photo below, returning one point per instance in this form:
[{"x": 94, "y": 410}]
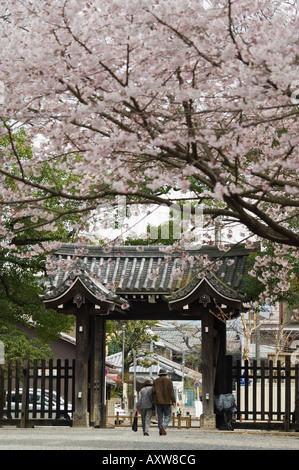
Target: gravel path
[{"x": 124, "y": 439}]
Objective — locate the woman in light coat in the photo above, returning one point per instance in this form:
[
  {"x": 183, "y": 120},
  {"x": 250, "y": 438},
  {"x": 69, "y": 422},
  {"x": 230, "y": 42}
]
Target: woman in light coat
[{"x": 145, "y": 405}]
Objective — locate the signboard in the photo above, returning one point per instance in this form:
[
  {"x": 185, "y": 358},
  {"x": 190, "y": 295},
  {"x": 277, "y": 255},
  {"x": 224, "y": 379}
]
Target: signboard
[
  {"x": 197, "y": 384},
  {"x": 242, "y": 381},
  {"x": 2, "y": 353}
]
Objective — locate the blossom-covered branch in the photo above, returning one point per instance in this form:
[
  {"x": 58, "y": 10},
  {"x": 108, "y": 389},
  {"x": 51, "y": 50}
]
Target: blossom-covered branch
[{"x": 152, "y": 100}]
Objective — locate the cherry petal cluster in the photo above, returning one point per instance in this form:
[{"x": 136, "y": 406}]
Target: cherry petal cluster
[{"x": 149, "y": 99}]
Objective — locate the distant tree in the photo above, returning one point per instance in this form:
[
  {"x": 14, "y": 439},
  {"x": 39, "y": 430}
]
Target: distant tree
[
  {"x": 190, "y": 333},
  {"x": 136, "y": 334}
]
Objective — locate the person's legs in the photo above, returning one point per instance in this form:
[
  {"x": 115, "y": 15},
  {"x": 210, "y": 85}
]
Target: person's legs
[
  {"x": 167, "y": 416},
  {"x": 147, "y": 420},
  {"x": 164, "y": 415},
  {"x": 159, "y": 414},
  {"x": 143, "y": 417}
]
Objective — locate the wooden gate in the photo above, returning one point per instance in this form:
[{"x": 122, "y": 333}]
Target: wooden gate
[
  {"x": 267, "y": 396},
  {"x": 35, "y": 394}
]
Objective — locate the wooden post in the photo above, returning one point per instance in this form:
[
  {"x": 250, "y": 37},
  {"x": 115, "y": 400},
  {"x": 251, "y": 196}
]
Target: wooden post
[
  {"x": 102, "y": 365},
  {"x": 220, "y": 356},
  {"x": 296, "y": 411},
  {"x": 2, "y": 393},
  {"x": 81, "y": 415},
  {"x": 208, "y": 370},
  {"x": 287, "y": 393},
  {"x": 97, "y": 371},
  {"x": 25, "y": 394}
]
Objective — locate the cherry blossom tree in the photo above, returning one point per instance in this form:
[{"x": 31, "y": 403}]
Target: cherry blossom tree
[{"x": 157, "y": 101}]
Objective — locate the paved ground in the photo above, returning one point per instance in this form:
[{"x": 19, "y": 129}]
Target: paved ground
[{"x": 122, "y": 441}]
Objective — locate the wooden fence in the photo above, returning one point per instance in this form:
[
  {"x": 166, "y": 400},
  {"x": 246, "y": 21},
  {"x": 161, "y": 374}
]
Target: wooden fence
[
  {"x": 267, "y": 395},
  {"x": 37, "y": 393},
  {"x": 178, "y": 422}
]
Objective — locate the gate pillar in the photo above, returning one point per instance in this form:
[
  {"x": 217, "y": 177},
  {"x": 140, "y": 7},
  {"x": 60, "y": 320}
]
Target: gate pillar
[
  {"x": 97, "y": 372},
  {"x": 208, "y": 418},
  {"x": 81, "y": 415},
  {"x": 220, "y": 357}
]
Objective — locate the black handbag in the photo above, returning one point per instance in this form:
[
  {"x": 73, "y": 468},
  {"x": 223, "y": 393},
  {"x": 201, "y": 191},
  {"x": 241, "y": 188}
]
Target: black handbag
[{"x": 135, "y": 423}]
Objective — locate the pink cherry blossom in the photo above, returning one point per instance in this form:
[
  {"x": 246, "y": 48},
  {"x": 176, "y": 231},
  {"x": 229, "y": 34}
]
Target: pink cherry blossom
[{"x": 157, "y": 101}]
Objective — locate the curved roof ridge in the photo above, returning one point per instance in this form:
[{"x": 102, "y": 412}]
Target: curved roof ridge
[{"x": 130, "y": 272}]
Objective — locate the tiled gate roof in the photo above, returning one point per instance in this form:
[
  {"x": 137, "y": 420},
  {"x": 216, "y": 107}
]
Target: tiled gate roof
[{"x": 128, "y": 272}]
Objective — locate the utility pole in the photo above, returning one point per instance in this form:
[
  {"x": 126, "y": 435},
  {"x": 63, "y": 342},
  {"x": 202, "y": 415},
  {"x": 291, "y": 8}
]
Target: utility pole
[
  {"x": 258, "y": 340},
  {"x": 124, "y": 395},
  {"x": 134, "y": 390},
  {"x": 183, "y": 379}
]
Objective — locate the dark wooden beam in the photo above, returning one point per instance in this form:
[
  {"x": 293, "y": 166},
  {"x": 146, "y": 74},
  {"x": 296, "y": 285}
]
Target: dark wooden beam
[
  {"x": 220, "y": 356},
  {"x": 97, "y": 371},
  {"x": 81, "y": 415},
  {"x": 208, "y": 369}
]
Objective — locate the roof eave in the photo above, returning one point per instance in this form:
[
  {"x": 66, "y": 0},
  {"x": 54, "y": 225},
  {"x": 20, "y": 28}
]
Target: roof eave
[
  {"x": 204, "y": 292},
  {"x": 69, "y": 293}
]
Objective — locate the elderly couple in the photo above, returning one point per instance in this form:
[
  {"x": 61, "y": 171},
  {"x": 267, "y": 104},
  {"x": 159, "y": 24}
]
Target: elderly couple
[{"x": 161, "y": 394}]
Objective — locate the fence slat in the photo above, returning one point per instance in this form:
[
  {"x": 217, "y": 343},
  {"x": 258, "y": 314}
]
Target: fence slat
[
  {"x": 287, "y": 392},
  {"x": 34, "y": 388},
  {"x": 262, "y": 390},
  {"x": 270, "y": 413},
  {"x": 25, "y": 394},
  {"x": 296, "y": 408},
  {"x": 17, "y": 389},
  {"x": 246, "y": 388},
  {"x": 254, "y": 382},
  {"x": 66, "y": 386},
  {"x": 238, "y": 384},
  {"x": 2, "y": 391},
  {"x": 73, "y": 386},
  {"x": 278, "y": 399},
  {"x": 9, "y": 388},
  {"x": 43, "y": 388},
  {"x": 58, "y": 387},
  {"x": 50, "y": 388}
]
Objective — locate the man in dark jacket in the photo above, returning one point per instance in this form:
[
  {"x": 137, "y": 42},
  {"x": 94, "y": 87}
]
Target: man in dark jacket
[{"x": 163, "y": 399}]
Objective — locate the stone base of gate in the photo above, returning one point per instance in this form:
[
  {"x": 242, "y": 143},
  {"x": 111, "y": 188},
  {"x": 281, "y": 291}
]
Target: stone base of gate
[
  {"x": 81, "y": 420},
  {"x": 208, "y": 421}
]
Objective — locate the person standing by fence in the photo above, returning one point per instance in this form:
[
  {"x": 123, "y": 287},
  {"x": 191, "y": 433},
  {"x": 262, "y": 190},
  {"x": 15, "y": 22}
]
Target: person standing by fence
[
  {"x": 163, "y": 398},
  {"x": 145, "y": 405}
]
